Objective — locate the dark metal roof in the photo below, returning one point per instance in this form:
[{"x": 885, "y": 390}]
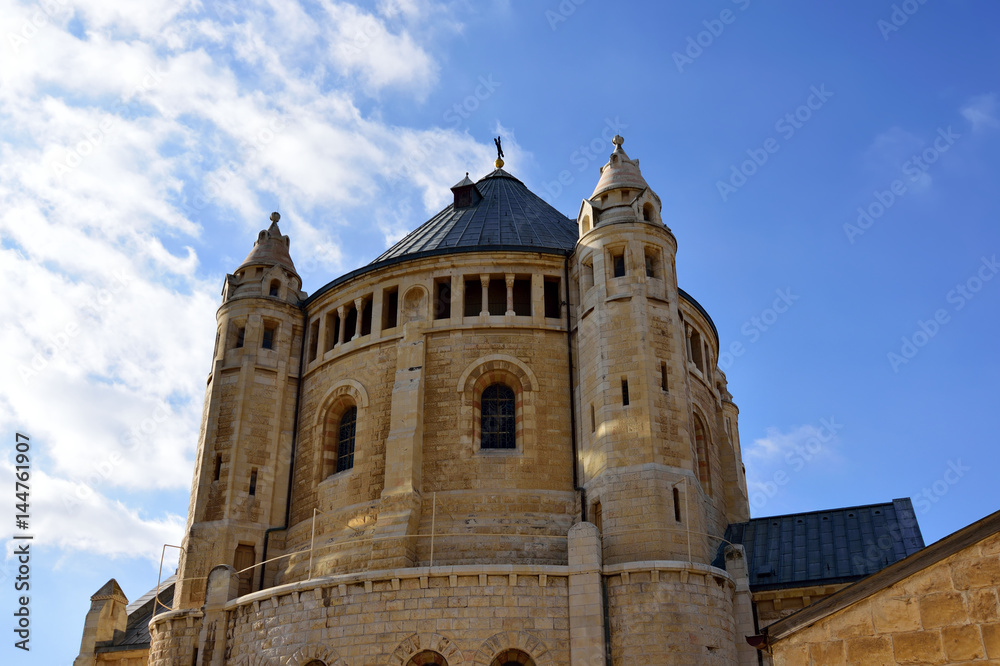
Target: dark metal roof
[
  {"x": 826, "y": 547},
  {"x": 508, "y": 215}
]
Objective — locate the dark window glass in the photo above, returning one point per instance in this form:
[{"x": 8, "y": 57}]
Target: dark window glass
[
  {"x": 350, "y": 323},
  {"x": 442, "y": 299},
  {"x": 240, "y": 334},
  {"x": 473, "y": 298},
  {"x": 624, "y": 391},
  {"x": 618, "y": 260},
  {"x": 552, "y": 310},
  {"x": 366, "y": 317},
  {"x": 345, "y": 439},
  {"x": 497, "y": 407},
  {"x": 391, "y": 307},
  {"x": 267, "y": 342},
  {"x": 253, "y": 482},
  {"x": 522, "y": 298},
  {"x": 497, "y": 295},
  {"x": 273, "y": 291}
]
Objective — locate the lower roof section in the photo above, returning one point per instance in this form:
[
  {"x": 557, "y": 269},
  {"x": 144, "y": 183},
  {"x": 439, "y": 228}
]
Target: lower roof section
[{"x": 826, "y": 547}]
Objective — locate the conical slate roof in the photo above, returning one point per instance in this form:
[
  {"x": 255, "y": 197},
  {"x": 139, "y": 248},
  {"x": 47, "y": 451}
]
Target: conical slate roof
[{"x": 509, "y": 216}]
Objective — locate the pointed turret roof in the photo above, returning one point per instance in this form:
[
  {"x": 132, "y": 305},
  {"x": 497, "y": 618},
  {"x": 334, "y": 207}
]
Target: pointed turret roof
[
  {"x": 270, "y": 249},
  {"x": 619, "y": 172},
  {"x": 110, "y": 590}
]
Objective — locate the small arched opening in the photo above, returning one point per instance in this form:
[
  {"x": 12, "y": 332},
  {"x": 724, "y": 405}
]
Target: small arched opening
[
  {"x": 513, "y": 657},
  {"x": 427, "y": 658}
]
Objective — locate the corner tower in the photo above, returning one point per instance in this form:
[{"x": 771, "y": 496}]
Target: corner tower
[
  {"x": 662, "y": 477},
  {"x": 244, "y": 448}
]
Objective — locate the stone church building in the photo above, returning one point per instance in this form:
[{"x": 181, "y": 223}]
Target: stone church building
[{"x": 505, "y": 441}]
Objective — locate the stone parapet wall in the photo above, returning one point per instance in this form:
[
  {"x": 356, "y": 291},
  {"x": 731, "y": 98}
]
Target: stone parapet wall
[
  {"x": 174, "y": 637},
  {"x": 469, "y": 614},
  {"x": 671, "y": 613}
]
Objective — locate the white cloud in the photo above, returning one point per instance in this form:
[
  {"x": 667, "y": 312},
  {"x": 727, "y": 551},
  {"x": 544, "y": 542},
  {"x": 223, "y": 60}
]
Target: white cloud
[
  {"x": 74, "y": 517},
  {"x": 981, "y": 112},
  {"x": 127, "y": 155}
]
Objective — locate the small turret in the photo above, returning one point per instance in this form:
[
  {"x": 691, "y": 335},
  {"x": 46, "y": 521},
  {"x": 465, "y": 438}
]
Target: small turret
[{"x": 240, "y": 483}]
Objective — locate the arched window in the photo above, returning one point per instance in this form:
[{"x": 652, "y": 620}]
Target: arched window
[
  {"x": 274, "y": 288},
  {"x": 315, "y": 662},
  {"x": 427, "y": 658},
  {"x": 497, "y": 409},
  {"x": 345, "y": 439},
  {"x": 513, "y": 657},
  {"x": 647, "y": 212}
]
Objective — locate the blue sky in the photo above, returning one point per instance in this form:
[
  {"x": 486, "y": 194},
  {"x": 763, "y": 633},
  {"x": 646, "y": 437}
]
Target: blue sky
[{"x": 143, "y": 145}]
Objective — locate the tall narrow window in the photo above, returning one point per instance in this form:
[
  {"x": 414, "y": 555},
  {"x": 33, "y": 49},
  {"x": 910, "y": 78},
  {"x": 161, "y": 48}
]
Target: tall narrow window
[
  {"x": 618, "y": 262},
  {"x": 652, "y": 257},
  {"x": 696, "y": 357},
  {"x": 218, "y": 467},
  {"x": 241, "y": 333},
  {"x": 677, "y": 505},
  {"x": 522, "y": 298},
  {"x": 366, "y": 317},
  {"x": 663, "y": 376},
  {"x": 273, "y": 290},
  {"x": 267, "y": 342},
  {"x": 593, "y": 420},
  {"x": 647, "y": 212},
  {"x": 345, "y": 439},
  {"x": 496, "y": 296},
  {"x": 702, "y": 448},
  {"x": 313, "y": 340},
  {"x": 598, "y": 516},
  {"x": 253, "y": 481},
  {"x": 551, "y": 289},
  {"x": 350, "y": 323},
  {"x": 390, "y": 308},
  {"x": 332, "y": 330},
  {"x": 473, "y": 297},
  {"x": 215, "y": 349},
  {"x": 624, "y": 391},
  {"x": 497, "y": 408},
  {"x": 442, "y": 298}
]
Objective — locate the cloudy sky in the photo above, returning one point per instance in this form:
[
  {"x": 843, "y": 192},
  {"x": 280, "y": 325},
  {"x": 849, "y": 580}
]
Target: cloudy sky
[{"x": 829, "y": 171}]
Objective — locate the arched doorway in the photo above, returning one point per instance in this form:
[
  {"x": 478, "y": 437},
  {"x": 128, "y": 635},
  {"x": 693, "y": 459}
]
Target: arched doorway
[
  {"x": 512, "y": 657},
  {"x": 427, "y": 658}
]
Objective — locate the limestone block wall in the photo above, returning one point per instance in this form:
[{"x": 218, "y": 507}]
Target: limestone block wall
[
  {"x": 174, "y": 637},
  {"x": 123, "y": 658},
  {"x": 468, "y": 614},
  {"x": 946, "y": 613},
  {"x": 671, "y": 613}
]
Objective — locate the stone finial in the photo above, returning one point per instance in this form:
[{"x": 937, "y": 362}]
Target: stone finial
[
  {"x": 275, "y": 216},
  {"x": 618, "y": 140}
]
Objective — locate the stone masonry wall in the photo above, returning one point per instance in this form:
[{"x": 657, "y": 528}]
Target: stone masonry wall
[
  {"x": 946, "y": 613},
  {"x": 663, "y": 616},
  {"x": 470, "y": 616}
]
